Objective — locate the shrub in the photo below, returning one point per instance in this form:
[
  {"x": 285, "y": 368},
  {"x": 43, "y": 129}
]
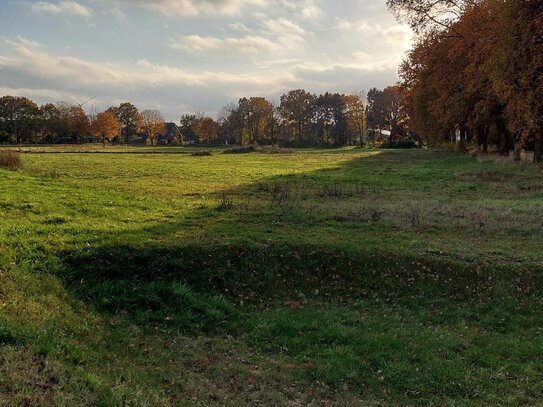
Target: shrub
[
  {"x": 400, "y": 144},
  {"x": 10, "y": 159},
  {"x": 240, "y": 150},
  {"x": 274, "y": 150},
  {"x": 202, "y": 153}
]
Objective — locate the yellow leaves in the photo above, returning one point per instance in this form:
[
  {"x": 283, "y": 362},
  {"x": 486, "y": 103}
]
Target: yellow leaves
[{"x": 105, "y": 126}]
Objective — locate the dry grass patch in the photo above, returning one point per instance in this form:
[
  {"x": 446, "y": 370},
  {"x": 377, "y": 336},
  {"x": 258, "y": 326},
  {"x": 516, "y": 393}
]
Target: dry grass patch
[{"x": 10, "y": 160}]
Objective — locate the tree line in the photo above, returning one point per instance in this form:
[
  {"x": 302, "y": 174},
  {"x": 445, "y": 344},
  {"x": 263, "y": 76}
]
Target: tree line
[
  {"x": 23, "y": 121},
  {"x": 301, "y": 118},
  {"x": 476, "y": 72}
]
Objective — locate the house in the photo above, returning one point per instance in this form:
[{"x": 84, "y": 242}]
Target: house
[{"x": 175, "y": 136}]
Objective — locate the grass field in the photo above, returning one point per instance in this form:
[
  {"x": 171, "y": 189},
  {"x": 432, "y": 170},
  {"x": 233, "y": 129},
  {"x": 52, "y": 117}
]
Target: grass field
[{"x": 322, "y": 277}]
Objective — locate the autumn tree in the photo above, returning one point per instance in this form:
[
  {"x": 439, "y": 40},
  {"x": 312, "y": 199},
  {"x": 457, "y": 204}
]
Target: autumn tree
[
  {"x": 105, "y": 126},
  {"x": 385, "y": 110},
  {"x": 447, "y": 79},
  {"x": 207, "y": 130},
  {"x": 331, "y": 120},
  {"x": 19, "y": 117},
  {"x": 356, "y": 115},
  {"x": 73, "y": 123},
  {"x": 515, "y": 67},
  {"x": 426, "y": 16},
  {"x": 297, "y": 109},
  {"x": 153, "y": 125},
  {"x": 49, "y": 117},
  {"x": 256, "y": 114},
  {"x": 129, "y": 118},
  {"x": 231, "y": 124}
]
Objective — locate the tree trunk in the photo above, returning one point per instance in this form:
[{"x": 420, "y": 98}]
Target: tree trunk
[
  {"x": 463, "y": 134},
  {"x": 538, "y": 148},
  {"x": 517, "y": 151},
  {"x": 486, "y": 130},
  {"x": 469, "y": 134},
  {"x": 504, "y": 140}
]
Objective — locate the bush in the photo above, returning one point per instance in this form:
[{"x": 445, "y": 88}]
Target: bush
[
  {"x": 274, "y": 150},
  {"x": 202, "y": 153},
  {"x": 240, "y": 150},
  {"x": 400, "y": 144},
  {"x": 10, "y": 159}
]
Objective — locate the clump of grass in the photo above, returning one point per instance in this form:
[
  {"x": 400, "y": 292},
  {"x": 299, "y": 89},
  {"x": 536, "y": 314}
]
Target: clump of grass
[
  {"x": 415, "y": 218},
  {"x": 280, "y": 193},
  {"x": 376, "y": 215},
  {"x": 53, "y": 174},
  {"x": 332, "y": 191},
  {"x": 10, "y": 160},
  {"x": 226, "y": 202}
]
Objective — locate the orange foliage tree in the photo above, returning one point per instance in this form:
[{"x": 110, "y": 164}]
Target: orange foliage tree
[{"x": 105, "y": 126}]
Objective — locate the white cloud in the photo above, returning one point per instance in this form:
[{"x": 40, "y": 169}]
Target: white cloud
[
  {"x": 62, "y": 8},
  {"x": 344, "y": 24},
  {"x": 196, "y": 43},
  {"x": 195, "y": 7},
  {"x": 239, "y": 27},
  {"x": 60, "y": 70},
  {"x": 276, "y": 36},
  {"x": 288, "y": 34},
  {"x": 251, "y": 44},
  {"x": 398, "y": 33},
  {"x": 311, "y": 13},
  {"x": 308, "y": 9},
  {"x": 22, "y": 41},
  {"x": 283, "y": 26}
]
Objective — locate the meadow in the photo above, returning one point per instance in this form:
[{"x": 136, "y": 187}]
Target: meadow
[{"x": 348, "y": 277}]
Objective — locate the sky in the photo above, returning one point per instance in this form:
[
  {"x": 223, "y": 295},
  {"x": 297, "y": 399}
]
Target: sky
[{"x": 183, "y": 56}]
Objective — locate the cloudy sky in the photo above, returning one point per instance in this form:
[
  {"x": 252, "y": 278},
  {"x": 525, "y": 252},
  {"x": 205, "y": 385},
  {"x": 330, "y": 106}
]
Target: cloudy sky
[{"x": 183, "y": 56}]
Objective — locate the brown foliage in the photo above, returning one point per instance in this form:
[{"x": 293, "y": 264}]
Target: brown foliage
[
  {"x": 153, "y": 124},
  {"x": 479, "y": 75},
  {"x": 105, "y": 126}
]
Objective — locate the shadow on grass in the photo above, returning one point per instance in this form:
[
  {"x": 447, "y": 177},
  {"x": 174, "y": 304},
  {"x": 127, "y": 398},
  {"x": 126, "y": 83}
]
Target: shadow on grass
[
  {"x": 160, "y": 275},
  {"x": 356, "y": 317}
]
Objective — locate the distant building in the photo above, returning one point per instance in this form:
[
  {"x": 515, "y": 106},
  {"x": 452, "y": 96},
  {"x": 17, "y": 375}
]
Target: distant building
[{"x": 173, "y": 135}]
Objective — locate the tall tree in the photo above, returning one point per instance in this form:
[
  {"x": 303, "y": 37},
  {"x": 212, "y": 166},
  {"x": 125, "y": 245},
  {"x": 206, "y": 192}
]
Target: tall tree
[
  {"x": 73, "y": 122},
  {"x": 49, "y": 119},
  {"x": 231, "y": 124},
  {"x": 385, "y": 109},
  {"x": 207, "y": 130},
  {"x": 356, "y": 115},
  {"x": 331, "y": 123},
  {"x": 426, "y": 16},
  {"x": 19, "y": 117},
  {"x": 130, "y": 119},
  {"x": 515, "y": 67},
  {"x": 105, "y": 126},
  {"x": 297, "y": 110},
  {"x": 153, "y": 124},
  {"x": 256, "y": 113}
]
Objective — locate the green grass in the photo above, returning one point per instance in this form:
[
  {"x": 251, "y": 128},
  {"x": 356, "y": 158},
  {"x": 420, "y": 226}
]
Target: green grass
[{"x": 147, "y": 276}]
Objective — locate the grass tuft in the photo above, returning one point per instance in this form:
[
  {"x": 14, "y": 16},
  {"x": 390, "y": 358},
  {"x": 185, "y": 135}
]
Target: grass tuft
[{"x": 10, "y": 159}]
